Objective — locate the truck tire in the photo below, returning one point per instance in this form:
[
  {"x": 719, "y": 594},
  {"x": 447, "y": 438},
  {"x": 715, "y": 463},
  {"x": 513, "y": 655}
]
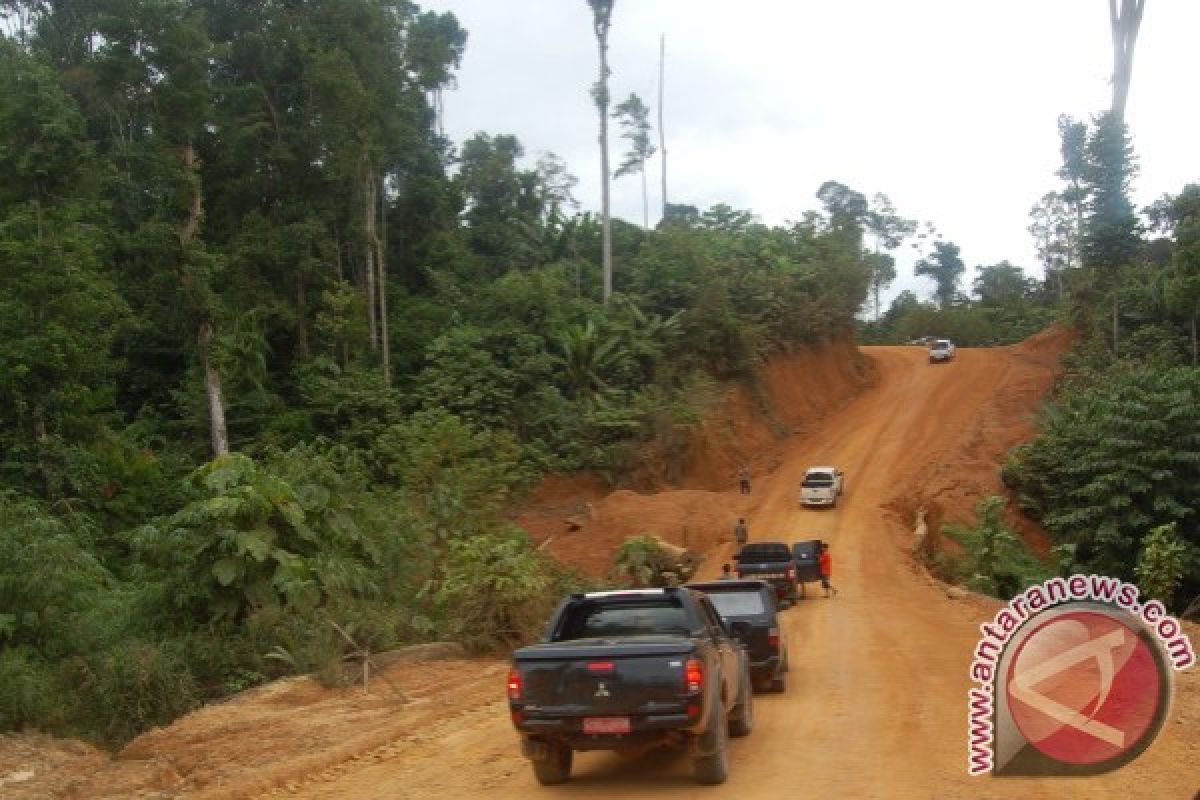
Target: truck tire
[
  {"x": 556, "y": 766},
  {"x": 779, "y": 683},
  {"x": 741, "y": 721},
  {"x": 713, "y": 768}
]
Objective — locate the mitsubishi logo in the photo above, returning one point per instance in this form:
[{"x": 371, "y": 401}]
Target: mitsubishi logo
[{"x": 602, "y": 690}]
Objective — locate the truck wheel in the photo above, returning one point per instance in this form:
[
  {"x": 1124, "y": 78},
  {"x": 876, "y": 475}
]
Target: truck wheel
[
  {"x": 779, "y": 683},
  {"x": 742, "y": 721},
  {"x": 714, "y": 767},
  {"x": 555, "y": 767}
]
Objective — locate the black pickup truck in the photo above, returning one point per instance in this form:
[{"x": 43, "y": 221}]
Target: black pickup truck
[
  {"x": 748, "y": 608},
  {"x": 628, "y": 670},
  {"x": 771, "y": 562}
]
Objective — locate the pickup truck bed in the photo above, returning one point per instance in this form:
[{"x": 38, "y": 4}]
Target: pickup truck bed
[{"x": 770, "y": 562}]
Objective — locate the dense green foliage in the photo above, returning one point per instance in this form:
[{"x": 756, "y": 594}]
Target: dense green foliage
[
  {"x": 1113, "y": 473},
  {"x": 275, "y": 354},
  {"x": 1004, "y": 307},
  {"x": 994, "y": 560},
  {"x": 1115, "y": 459}
]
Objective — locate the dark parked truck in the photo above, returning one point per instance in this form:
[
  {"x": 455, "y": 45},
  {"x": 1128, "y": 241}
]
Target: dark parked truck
[
  {"x": 770, "y": 562},
  {"x": 748, "y": 608},
  {"x": 629, "y": 670}
]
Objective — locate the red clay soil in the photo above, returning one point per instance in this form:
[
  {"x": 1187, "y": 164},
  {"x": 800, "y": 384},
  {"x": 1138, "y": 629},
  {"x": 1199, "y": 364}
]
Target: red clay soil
[
  {"x": 581, "y": 523},
  {"x": 877, "y": 695}
]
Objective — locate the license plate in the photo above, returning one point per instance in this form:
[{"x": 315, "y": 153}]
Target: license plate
[{"x": 606, "y": 725}]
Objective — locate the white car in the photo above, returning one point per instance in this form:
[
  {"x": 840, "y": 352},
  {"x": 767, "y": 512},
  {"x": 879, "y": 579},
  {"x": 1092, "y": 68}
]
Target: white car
[
  {"x": 821, "y": 486},
  {"x": 941, "y": 350}
]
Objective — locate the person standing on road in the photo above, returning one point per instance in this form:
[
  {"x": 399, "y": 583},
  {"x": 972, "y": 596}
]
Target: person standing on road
[
  {"x": 744, "y": 479},
  {"x": 726, "y": 575},
  {"x": 740, "y": 534},
  {"x": 825, "y": 564}
]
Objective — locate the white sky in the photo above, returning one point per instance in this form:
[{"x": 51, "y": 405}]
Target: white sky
[{"x": 947, "y": 106}]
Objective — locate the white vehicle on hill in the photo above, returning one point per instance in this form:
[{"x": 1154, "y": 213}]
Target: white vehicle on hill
[
  {"x": 821, "y": 486},
  {"x": 941, "y": 350}
]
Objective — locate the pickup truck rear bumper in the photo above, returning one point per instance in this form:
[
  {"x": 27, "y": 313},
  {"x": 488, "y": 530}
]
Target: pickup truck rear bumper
[
  {"x": 764, "y": 669},
  {"x": 817, "y": 501},
  {"x": 648, "y": 730}
]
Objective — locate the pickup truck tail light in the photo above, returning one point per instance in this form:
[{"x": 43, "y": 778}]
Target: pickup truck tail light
[
  {"x": 514, "y": 685},
  {"x": 773, "y": 637},
  {"x": 693, "y": 676}
]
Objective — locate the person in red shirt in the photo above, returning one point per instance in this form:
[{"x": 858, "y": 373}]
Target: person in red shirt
[{"x": 825, "y": 563}]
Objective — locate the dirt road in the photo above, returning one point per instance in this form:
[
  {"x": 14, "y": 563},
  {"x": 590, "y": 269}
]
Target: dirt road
[{"x": 876, "y": 703}]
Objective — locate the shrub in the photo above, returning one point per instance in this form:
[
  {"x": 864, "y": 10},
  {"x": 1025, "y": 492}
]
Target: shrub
[
  {"x": 995, "y": 561},
  {"x": 1160, "y": 568},
  {"x": 498, "y": 590}
]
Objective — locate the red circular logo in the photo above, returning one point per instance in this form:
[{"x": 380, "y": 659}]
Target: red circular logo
[{"x": 1085, "y": 688}]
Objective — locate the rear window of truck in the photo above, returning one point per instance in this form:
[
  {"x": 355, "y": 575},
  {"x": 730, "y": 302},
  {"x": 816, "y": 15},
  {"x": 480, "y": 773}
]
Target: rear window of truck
[
  {"x": 764, "y": 552},
  {"x": 640, "y": 617},
  {"x": 738, "y": 604}
]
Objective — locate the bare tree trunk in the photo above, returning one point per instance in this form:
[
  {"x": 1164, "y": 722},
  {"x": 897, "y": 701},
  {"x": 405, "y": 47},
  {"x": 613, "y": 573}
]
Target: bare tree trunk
[
  {"x": 1124, "y": 25},
  {"x": 601, "y": 21},
  {"x": 381, "y": 265},
  {"x": 645, "y": 200},
  {"x": 662, "y": 136},
  {"x": 218, "y": 433},
  {"x": 195, "y": 206},
  {"x": 369, "y": 261}
]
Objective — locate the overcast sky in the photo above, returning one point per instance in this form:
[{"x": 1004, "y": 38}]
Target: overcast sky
[{"x": 947, "y": 106}]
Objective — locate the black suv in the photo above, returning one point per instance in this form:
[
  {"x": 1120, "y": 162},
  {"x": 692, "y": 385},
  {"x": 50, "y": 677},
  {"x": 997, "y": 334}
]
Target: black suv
[{"x": 748, "y": 608}]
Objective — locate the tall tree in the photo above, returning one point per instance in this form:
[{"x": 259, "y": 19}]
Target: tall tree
[
  {"x": 847, "y": 210},
  {"x": 1124, "y": 22},
  {"x": 1055, "y": 235},
  {"x": 1184, "y": 286},
  {"x": 1002, "y": 284},
  {"x": 634, "y": 116},
  {"x": 662, "y": 131},
  {"x": 1110, "y": 240},
  {"x": 883, "y": 272},
  {"x": 1072, "y": 136},
  {"x": 60, "y": 311},
  {"x": 601, "y": 23},
  {"x": 889, "y": 230},
  {"x": 945, "y": 267}
]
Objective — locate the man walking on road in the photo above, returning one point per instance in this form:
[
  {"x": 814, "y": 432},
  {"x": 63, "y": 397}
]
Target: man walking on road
[
  {"x": 726, "y": 575},
  {"x": 825, "y": 564},
  {"x": 740, "y": 534},
  {"x": 744, "y": 479}
]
